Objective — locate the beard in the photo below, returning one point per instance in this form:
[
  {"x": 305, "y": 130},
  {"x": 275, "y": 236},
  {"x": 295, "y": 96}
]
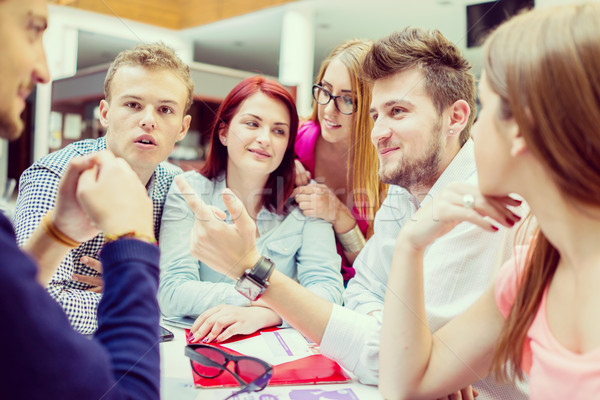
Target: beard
[
  {"x": 9, "y": 128},
  {"x": 423, "y": 171}
]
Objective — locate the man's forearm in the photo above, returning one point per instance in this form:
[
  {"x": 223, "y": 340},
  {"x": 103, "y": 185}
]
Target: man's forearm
[
  {"x": 47, "y": 252},
  {"x": 301, "y": 308}
]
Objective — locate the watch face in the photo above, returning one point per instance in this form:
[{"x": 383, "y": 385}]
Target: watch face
[{"x": 248, "y": 288}]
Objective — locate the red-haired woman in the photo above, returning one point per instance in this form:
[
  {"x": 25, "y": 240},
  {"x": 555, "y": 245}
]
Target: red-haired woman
[{"x": 252, "y": 156}]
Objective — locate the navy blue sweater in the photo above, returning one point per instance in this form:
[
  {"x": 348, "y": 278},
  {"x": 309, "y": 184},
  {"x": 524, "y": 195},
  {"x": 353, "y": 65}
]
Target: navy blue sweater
[{"x": 43, "y": 357}]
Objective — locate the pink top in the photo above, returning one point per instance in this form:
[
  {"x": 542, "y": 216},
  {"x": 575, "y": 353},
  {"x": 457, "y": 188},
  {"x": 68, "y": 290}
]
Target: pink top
[
  {"x": 306, "y": 141},
  {"x": 555, "y": 372}
]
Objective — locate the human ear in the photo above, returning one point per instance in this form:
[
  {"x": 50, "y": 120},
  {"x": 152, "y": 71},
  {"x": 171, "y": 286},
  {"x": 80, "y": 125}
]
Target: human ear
[
  {"x": 518, "y": 145},
  {"x": 104, "y": 106},
  {"x": 185, "y": 126},
  {"x": 223, "y": 134},
  {"x": 458, "y": 117}
]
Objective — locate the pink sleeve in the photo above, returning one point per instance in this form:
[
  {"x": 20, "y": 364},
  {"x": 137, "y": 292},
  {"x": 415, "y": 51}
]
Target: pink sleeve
[{"x": 305, "y": 144}]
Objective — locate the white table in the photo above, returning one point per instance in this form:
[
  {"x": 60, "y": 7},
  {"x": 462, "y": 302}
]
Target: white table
[{"x": 177, "y": 384}]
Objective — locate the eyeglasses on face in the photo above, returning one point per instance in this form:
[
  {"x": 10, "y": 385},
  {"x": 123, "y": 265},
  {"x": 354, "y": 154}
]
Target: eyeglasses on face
[
  {"x": 253, "y": 374},
  {"x": 346, "y": 105}
]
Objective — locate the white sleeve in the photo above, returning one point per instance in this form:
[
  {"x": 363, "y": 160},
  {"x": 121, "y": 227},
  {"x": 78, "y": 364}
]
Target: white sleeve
[{"x": 352, "y": 340}]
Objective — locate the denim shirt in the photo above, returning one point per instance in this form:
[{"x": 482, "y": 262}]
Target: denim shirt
[{"x": 301, "y": 247}]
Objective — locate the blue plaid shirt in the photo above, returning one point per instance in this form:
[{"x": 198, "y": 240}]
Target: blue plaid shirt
[{"x": 37, "y": 194}]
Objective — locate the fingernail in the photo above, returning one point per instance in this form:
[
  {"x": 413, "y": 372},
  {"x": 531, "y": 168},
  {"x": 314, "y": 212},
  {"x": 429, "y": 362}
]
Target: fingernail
[
  {"x": 510, "y": 221},
  {"x": 517, "y": 217},
  {"x": 205, "y": 340},
  {"x": 75, "y": 278},
  {"x": 84, "y": 259},
  {"x": 495, "y": 228},
  {"x": 190, "y": 337}
]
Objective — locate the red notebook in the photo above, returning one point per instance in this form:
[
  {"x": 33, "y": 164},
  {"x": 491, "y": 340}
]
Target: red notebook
[{"x": 311, "y": 370}]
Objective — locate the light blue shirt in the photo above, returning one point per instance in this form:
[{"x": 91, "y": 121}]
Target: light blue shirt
[{"x": 301, "y": 247}]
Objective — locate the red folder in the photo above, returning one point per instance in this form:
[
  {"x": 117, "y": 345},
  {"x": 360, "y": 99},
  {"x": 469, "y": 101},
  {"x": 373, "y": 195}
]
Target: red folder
[{"x": 311, "y": 370}]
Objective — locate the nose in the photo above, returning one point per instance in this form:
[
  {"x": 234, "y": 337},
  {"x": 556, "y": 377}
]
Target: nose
[
  {"x": 148, "y": 120},
  {"x": 40, "y": 73},
  {"x": 263, "y": 135},
  {"x": 330, "y": 107},
  {"x": 381, "y": 131}
]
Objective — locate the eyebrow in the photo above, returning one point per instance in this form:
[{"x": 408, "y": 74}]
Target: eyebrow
[
  {"x": 165, "y": 101},
  {"x": 260, "y": 119},
  {"x": 330, "y": 85},
  {"x": 394, "y": 102}
]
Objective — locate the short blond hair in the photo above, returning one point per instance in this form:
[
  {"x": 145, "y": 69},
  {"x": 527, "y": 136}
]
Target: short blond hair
[{"x": 152, "y": 56}]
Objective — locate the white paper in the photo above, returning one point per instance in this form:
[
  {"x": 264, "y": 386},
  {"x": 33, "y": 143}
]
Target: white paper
[{"x": 278, "y": 347}]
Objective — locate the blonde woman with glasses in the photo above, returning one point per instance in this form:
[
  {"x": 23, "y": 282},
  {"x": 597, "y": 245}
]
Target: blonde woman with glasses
[{"x": 334, "y": 148}]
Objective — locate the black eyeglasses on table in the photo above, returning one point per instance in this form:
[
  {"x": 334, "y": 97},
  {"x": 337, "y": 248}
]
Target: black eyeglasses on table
[
  {"x": 323, "y": 96},
  {"x": 253, "y": 374}
]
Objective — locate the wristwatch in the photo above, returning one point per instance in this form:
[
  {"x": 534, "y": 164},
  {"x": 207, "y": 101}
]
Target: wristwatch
[{"x": 255, "y": 281}]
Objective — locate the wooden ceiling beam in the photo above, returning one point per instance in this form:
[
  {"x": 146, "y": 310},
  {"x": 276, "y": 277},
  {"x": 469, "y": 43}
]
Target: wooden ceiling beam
[{"x": 173, "y": 14}]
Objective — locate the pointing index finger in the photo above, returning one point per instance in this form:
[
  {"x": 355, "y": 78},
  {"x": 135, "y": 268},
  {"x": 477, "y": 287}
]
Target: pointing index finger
[{"x": 198, "y": 207}]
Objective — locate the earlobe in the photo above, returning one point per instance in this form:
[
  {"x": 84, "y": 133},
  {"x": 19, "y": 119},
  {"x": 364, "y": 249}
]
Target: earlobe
[
  {"x": 223, "y": 134},
  {"x": 459, "y": 116},
  {"x": 518, "y": 144}
]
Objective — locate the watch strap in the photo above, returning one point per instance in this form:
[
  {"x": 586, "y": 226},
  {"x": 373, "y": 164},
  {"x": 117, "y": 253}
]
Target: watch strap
[{"x": 262, "y": 270}]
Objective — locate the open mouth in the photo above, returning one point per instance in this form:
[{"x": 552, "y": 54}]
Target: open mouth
[{"x": 146, "y": 140}]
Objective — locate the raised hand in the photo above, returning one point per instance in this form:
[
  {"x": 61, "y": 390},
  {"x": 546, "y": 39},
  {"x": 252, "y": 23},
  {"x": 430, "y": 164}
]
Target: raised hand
[
  {"x": 456, "y": 203},
  {"x": 227, "y": 248},
  {"x": 317, "y": 200},
  {"x": 302, "y": 175},
  {"x": 113, "y": 197},
  {"x": 68, "y": 215}
]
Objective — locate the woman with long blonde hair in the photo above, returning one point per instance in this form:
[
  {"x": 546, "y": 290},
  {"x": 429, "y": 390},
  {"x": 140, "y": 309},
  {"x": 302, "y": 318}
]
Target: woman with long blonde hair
[{"x": 334, "y": 148}]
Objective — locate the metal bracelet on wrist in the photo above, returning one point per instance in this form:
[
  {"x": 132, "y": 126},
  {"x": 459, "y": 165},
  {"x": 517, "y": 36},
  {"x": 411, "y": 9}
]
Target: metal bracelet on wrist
[{"x": 353, "y": 240}]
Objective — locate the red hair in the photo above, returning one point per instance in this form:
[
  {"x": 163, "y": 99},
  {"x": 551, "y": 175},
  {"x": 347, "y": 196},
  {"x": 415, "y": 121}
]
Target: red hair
[{"x": 280, "y": 184}]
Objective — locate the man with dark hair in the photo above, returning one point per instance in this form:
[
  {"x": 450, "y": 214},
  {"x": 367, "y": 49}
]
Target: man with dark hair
[
  {"x": 43, "y": 356},
  {"x": 422, "y": 106},
  {"x": 148, "y": 92}
]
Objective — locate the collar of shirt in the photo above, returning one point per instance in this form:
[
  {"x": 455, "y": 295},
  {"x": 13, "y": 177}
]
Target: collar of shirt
[
  {"x": 265, "y": 219},
  {"x": 150, "y": 184}
]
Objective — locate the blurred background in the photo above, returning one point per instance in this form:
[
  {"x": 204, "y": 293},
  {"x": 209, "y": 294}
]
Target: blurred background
[{"x": 223, "y": 41}]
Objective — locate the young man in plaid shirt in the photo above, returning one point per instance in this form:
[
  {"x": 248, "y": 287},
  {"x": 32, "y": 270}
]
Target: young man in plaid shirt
[{"x": 148, "y": 92}]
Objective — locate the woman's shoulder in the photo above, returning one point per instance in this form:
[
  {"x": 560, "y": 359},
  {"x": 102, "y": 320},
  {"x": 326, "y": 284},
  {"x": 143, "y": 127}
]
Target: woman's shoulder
[
  {"x": 508, "y": 279},
  {"x": 296, "y": 217},
  {"x": 200, "y": 182},
  {"x": 308, "y": 132},
  {"x": 306, "y": 141}
]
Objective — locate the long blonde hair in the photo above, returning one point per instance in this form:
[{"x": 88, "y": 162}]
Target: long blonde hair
[
  {"x": 544, "y": 66},
  {"x": 368, "y": 192}
]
